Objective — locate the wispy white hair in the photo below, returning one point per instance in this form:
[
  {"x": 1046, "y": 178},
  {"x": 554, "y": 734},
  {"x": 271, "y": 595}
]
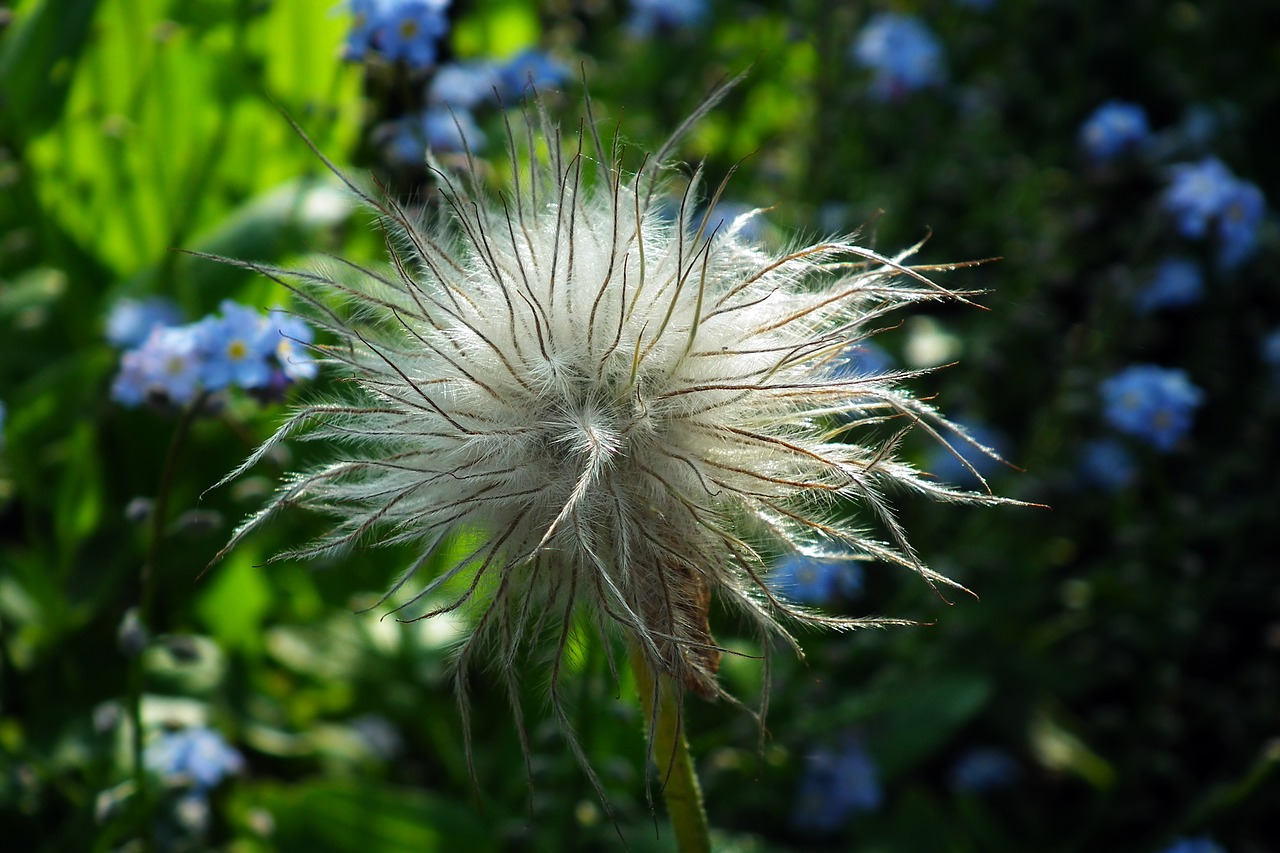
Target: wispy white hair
[{"x": 636, "y": 411}]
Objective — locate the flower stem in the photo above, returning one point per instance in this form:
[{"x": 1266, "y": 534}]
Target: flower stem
[
  {"x": 146, "y": 606},
  {"x": 670, "y": 749}
]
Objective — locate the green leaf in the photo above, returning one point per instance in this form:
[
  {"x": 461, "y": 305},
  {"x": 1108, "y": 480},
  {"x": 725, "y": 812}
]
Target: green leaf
[
  {"x": 37, "y": 61},
  {"x": 261, "y": 228},
  {"x": 78, "y": 503},
  {"x": 1060, "y": 749},
  {"x": 341, "y": 816},
  {"x": 184, "y": 664},
  {"x": 497, "y": 28},
  {"x": 234, "y": 603},
  {"x": 29, "y": 300},
  {"x": 267, "y": 228},
  {"x": 910, "y": 725}
]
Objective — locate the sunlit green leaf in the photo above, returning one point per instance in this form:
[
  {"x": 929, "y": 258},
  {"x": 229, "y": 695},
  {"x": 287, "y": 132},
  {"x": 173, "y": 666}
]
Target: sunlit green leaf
[{"x": 233, "y": 602}]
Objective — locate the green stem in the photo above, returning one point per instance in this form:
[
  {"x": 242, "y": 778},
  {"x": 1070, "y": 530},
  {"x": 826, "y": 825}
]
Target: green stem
[
  {"x": 147, "y": 596},
  {"x": 670, "y": 749}
]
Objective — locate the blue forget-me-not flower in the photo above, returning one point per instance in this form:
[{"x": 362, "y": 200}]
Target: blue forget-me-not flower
[
  {"x": 364, "y": 22},
  {"x": 902, "y": 52},
  {"x": 1206, "y": 194},
  {"x": 1106, "y": 464},
  {"x": 1112, "y": 129},
  {"x": 966, "y": 463},
  {"x": 650, "y": 16},
  {"x": 292, "y": 357},
  {"x": 816, "y": 580},
  {"x": 198, "y": 757},
  {"x": 399, "y": 30},
  {"x": 442, "y": 129},
  {"x": 862, "y": 359},
  {"x": 130, "y": 321},
  {"x": 836, "y": 785},
  {"x": 168, "y": 366},
  {"x": 410, "y": 31},
  {"x": 474, "y": 82},
  {"x": 1271, "y": 351},
  {"x": 1197, "y": 193},
  {"x": 465, "y": 85},
  {"x": 1238, "y": 224},
  {"x": 531, "y": 68},
  {"x": 239, "y": 347},
  {"x": 1151, "y": 403},
  {"x": 1176, "y": 282},
  {"x": 983, "y": 769},
  {"x": 236, "y": 347}
]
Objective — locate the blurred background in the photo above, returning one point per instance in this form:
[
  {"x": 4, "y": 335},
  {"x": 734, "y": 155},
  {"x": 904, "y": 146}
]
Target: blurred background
[{"x": 1114, "y": 684}]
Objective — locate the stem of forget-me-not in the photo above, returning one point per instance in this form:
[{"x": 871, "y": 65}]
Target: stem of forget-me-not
[
  {"x": 670, "y": 749},
  {"x": 146, "y": 604}
]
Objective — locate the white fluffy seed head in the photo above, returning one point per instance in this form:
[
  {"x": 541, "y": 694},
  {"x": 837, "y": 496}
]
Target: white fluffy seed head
[{"x": 637, "y": 412}]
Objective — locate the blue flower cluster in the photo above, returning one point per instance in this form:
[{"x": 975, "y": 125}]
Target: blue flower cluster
[
  {"x": 1151, "y": 403},
  {"x": 1114, "y": 128},
  {"x": 901, "y": 52},
  {"x": 197, "y": 757},
  {"x": 239, "y": 347},
  {"x": 1176, "y": 283},
  {"x": 405, "y": 31},
  {"x": 1205, "y": 198},
  {"x": 1202, "y": 198},
  {"x": 654, "y": 16},
  {"x": 816, "y": 580},
  {"x": 466, "y": 84},
  {"x": 456, "y": 90},
  {"x": 835, "y": 786},
  {"x": 438, "y": 129}
]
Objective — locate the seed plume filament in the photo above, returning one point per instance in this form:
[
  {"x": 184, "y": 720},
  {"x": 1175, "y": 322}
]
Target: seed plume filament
[{"x": 635, "y": 411}]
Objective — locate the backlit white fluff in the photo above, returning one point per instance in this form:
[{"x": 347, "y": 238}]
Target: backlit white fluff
[{"x": 635, "y": 412}]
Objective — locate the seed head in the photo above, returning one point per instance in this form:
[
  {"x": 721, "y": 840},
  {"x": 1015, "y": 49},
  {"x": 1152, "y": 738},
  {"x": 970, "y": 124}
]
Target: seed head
[{"x": 639, "y": 412}]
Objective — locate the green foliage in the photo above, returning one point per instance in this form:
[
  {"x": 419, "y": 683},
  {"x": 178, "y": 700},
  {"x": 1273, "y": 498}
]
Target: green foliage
[{"x": 340, "y": 815}]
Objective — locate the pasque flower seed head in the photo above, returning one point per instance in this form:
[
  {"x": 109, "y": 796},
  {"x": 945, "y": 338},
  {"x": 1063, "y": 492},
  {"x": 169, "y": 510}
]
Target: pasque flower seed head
[{"x": 638, "y": 412}]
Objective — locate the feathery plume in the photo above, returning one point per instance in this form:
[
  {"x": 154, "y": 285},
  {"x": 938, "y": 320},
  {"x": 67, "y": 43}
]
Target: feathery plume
[{"x": 639, "y": 412}]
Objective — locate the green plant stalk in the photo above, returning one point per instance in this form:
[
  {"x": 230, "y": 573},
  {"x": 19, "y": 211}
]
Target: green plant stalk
[
  {"x": 670, "y": 749},
  {"x": 147, "y": 595}
]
